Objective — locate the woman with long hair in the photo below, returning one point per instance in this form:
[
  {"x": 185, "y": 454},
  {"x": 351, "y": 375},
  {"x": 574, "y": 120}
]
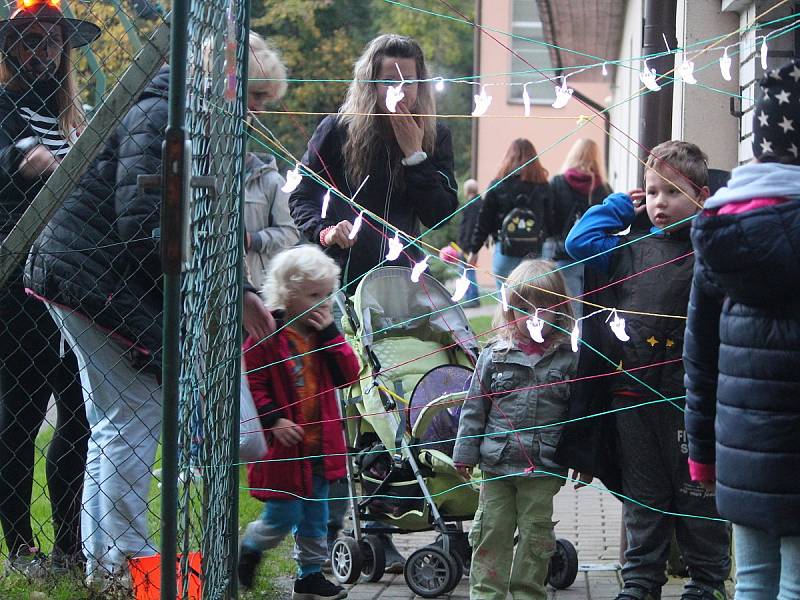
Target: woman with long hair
[
  {"x": 40, "y": 117},
  {"x": 516, "y": 210},
  {"x": 405, "y": 152},
  {"x": 580, "y": 184}
]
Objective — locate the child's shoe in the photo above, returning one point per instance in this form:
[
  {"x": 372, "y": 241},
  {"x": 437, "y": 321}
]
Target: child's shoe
[
  {"x": 246, "y": 569},
  {"x": 696, "y": 590},
  {"x": 632, "y": 591},
  {"x": 316, "y": 587}
]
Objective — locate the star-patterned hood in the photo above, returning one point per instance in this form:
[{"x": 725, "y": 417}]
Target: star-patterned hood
[{"x": 776, "y": 118}]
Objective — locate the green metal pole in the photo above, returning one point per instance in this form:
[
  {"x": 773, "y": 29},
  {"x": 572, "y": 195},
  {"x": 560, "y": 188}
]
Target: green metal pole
[
  {"x": 233, "y": 524},
  {"x": 174, "y": 200}
]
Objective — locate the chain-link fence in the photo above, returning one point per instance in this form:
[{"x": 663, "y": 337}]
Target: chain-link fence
[{"x": 84, "y": 105}]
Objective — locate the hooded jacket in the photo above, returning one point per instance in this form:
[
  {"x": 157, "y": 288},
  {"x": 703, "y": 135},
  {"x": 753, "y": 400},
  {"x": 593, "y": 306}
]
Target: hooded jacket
[
  {"x": 570, "y": 203},
  {"x": 100, "y": 253},
  {"x": 742, "y": 349},
  {"x": 513, "y": 390},
  {"x": 266, "y": 215},
  {"x": 405, "y": 196},
  {"x": 280, "y": 475}
]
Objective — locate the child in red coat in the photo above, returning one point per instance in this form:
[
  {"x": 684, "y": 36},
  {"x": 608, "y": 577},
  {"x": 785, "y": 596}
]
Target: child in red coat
[{"x": 292, "y": 376}]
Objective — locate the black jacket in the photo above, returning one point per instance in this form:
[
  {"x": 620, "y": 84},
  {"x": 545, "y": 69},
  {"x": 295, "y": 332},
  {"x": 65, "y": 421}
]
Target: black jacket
[
  {"x": 100, "y": 254},
  {"x": 742, "y": 357},
  {"x": 568, "y": 206},
  {"x": 590, "y": 445},
  {"x": 469, "y": 220},
  {"x": 500, "y": 199},
  {"x": 16, "y": 192},
  {"x": 403, "y": 196}
]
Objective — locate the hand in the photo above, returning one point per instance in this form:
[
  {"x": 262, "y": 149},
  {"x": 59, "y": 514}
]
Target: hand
[
  {"x": 247, "y": 240},
  {"x": 581, "y": 479},
  {"x": 287, "y": 432},
  {"x": 464, "y": 470},
  {"x": 407, "y": 131},
  {"x": 638, "y": 198},
  {"x": 39, "y": 161},
  {"x": 256, "y": 318},
  {"x": 320, "y": 317},
  {"x": 339, "y": 235}
]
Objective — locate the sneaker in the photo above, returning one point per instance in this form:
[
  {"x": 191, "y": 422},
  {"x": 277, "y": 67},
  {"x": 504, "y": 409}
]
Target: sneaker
[
  {"x": 28, "y": 562},
  {"x": 632, "y": 591},
  {"x": 394, "y": 560},
  {"x": 248, "y": 561},
  {"x": 316, "y": 587},
  {"x": 63, "y": 564},
  {"x": 695, "y": 590}
]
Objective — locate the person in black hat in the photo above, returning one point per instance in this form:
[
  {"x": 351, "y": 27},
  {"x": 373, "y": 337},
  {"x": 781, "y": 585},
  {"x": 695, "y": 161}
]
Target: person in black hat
[
  {"x": 40, "y": 116},
  {"x": 742, "y": 347}
]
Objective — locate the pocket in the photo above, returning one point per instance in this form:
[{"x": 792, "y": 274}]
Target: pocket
[
  {"x": 492, "y": 448},
  {"x": 474, "y": 536},
  {"x": 506, "y": 379}
]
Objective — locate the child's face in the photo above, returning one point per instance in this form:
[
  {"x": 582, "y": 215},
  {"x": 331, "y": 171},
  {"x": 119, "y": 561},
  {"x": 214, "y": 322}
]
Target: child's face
[
  {"x": 312, "y": 298},
  {"x": 671, "y": 198},
  {"x": 521, "y": 326}
]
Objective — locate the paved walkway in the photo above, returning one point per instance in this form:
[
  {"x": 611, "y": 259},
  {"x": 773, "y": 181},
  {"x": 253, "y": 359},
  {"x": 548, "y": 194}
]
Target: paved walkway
[{"x": 589, "y": 518}]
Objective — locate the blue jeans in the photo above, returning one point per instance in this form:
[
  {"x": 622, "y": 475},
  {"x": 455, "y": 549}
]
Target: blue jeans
[
  {"x": 502, "y": 265},
  {"x": 307, "y": 520},
  {"x": 472, "y": 290},
  {"x": 767, "y": 567}
]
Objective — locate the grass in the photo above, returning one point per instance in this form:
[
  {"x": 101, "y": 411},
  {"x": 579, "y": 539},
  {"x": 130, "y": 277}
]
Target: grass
[{"x": 276, "y": 564}]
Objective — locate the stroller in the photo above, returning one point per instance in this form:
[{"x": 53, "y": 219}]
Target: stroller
[{"x": 417, "y": 355}]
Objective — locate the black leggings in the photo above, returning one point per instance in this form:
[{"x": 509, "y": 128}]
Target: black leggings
[{"x": 31, "y": 370}]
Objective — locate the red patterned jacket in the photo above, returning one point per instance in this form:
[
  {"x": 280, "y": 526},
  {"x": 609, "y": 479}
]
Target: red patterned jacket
[{"x": 275, "y": 396}]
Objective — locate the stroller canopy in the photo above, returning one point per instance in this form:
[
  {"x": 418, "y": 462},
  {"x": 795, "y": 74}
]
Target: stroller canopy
[{"x": 388, "y": 304}]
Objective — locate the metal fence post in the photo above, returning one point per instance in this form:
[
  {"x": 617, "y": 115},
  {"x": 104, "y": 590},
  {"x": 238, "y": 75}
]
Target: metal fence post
[{"x": 175, "y": 195}]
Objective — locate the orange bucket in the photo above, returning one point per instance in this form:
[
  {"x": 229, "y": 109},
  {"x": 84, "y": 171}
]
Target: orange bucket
[{"x": 146, "y": 577}]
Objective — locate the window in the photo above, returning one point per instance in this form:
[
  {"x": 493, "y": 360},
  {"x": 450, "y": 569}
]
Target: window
[{"x": 527, "y": 24}]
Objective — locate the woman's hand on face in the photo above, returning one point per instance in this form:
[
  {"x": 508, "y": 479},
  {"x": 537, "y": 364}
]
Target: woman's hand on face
[
  {"x": 340, "y": 235},
  {"x": 407, "y": 131},
  {"x": 39, "y": 161}
]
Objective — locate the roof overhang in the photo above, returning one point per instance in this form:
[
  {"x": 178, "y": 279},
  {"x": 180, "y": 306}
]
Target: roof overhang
[{"x": 580, "y": 28}]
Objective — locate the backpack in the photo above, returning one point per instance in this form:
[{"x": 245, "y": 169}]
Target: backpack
[{"x": 522, "y": 231}]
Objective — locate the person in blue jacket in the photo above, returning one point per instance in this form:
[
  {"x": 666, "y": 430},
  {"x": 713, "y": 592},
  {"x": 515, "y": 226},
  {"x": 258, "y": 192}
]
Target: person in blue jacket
[{"x": 640, "y": 451}]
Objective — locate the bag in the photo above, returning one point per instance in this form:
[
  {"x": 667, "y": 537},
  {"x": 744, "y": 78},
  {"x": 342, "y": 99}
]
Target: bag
[
  {"x": 522, "y": 230},
  {"x": 252, "y": 443}
]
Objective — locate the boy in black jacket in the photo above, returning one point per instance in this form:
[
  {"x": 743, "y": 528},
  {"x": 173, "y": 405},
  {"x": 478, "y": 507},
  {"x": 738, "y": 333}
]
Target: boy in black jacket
[{"x": 640, "y": 451}]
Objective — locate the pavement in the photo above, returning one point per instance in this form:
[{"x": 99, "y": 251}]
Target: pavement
[{"x": 589, "y": 518}]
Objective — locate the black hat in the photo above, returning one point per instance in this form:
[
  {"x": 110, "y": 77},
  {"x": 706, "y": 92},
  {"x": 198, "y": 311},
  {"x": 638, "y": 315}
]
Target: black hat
[
  {"x": 76, "y": 31},
  {"x": 776, "y": 117}
]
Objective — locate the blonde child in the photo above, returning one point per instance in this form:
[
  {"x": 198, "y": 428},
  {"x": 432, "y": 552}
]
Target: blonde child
[
  {"x": 292, "y": 376},
  {"x": 517, "y": 387}
]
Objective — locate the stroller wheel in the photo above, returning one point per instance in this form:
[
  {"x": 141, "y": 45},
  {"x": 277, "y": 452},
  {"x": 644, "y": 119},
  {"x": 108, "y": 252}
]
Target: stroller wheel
[
  {"x": 346, "y": 560},
  {"x": 373, "y": 563},
  {"x": 430, "y": 572},
  {"x": 563, "y": 568}
]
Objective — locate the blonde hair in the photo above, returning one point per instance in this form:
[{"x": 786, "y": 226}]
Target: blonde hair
[
  {"x": 522, "y": 152},
  {"x": 675, "y": 157},
  {"x": 470, "y": 189},
  {"x": 71, "y": 119},
  {"x": 264, "y": 62},
  {"x": 289, "y": 270},
  {"x": 360, "y": 107},
  {"x": 585, "y": 156},
  {"x": 534, "y": 284}
]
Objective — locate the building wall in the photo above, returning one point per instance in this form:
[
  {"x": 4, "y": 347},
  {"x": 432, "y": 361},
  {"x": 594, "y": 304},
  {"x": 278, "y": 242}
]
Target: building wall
[
  {"x": 552, "y": 131},
  {"x": 623, "y": 164}
]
